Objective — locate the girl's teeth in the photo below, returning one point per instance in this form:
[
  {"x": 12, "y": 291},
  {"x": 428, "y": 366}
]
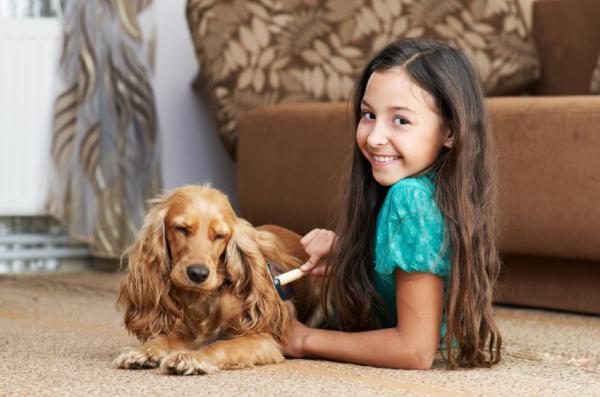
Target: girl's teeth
[{"x": 385, "y": 159}]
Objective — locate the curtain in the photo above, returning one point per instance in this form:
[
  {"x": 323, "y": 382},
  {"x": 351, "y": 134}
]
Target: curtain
[{"x": 105, "y": 145}]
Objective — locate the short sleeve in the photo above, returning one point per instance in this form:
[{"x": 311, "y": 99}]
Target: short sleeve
[{"x": 410, "y": 233}]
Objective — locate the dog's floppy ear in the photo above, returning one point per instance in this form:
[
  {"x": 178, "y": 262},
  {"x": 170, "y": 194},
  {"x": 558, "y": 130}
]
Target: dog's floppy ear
[
  {"x": 263, "y": 310},
  {"x": 150, "y": 310}
]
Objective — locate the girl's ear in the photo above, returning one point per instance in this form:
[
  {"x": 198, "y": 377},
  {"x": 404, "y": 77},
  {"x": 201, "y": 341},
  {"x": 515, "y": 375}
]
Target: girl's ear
[{"x": 448, "y": 137}]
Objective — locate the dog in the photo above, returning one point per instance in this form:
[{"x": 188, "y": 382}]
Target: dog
[{"x": 197, "y": 292}]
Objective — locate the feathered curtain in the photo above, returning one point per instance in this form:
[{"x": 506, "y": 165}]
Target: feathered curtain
[{"x": 105, "y": 148}]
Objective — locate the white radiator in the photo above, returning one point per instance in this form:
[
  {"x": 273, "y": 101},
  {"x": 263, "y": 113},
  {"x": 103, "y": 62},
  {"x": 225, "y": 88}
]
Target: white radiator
[{"x": 29, "y": 54}]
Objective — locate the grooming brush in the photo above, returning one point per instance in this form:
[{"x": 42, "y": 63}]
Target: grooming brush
[{"x": 281, "y": 280}]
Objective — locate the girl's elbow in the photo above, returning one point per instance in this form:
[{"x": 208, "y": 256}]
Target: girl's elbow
[
  {"x": 421, "y": 359},
  {"x": 420, "y": 355}
]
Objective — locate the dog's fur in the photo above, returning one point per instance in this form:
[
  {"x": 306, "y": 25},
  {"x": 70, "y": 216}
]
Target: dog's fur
[{"x": 232, "y": 319}]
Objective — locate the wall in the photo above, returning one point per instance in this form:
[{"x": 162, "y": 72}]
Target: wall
[{"x": 192, "y": 152}]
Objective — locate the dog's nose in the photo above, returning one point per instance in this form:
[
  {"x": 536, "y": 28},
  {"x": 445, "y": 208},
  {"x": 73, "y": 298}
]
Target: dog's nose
[{"x": 197, "y": 274}]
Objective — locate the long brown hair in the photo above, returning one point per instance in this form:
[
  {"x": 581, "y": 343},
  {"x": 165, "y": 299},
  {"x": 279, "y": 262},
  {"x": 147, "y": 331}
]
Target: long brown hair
[{"x": 465, "y": 194}]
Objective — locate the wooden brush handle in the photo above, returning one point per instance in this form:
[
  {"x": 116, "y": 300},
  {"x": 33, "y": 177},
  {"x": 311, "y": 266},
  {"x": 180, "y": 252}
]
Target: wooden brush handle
[{"x": 290, "y": 276}]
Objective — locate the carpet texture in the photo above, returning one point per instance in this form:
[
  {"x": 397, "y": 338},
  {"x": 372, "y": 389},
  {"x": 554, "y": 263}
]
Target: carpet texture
[{"x": 59, "y": 334}]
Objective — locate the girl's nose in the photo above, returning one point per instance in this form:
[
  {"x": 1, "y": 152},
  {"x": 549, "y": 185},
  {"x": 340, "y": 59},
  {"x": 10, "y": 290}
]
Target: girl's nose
[{"x": 377, "y": 137}]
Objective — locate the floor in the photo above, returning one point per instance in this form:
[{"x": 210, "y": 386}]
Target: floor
[{"x": 59, "y": 333}]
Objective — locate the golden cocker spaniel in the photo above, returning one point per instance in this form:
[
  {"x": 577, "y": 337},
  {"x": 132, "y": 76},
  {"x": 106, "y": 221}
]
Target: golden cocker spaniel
[{"x": 198, "y": 294}]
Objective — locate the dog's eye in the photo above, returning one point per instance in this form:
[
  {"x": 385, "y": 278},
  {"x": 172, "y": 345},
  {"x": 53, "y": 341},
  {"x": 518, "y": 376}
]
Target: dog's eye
[{"x": 182, "y": 229}]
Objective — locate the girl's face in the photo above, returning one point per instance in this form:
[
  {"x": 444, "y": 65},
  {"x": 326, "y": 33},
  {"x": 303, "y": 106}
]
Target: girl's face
[{"x": 400, "y": 131}]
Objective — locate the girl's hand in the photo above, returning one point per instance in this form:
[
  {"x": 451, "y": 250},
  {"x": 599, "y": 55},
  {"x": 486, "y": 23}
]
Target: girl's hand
[
  {"x": 317, "y": 244},
  {"x": 293, "y": 346}
]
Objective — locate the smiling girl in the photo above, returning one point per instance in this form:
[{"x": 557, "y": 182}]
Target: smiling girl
[{"x": 412, "y": 266}]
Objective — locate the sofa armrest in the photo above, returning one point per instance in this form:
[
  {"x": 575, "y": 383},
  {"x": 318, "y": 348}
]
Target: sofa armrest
[
  {"x": 549, "y": 175},
  {"x": 292, "y": 160}
]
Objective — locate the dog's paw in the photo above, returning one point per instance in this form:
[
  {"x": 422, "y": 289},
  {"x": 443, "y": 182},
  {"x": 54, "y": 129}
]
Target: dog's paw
[
  {"x": 186, "y": 364},
  {"x": 137, "y": 358}
]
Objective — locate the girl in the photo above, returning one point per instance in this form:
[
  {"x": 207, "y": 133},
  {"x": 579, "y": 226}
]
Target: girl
[{"x": 414, "y": 261}]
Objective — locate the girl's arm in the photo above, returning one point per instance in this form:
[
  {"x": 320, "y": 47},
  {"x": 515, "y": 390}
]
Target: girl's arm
[{"x": 411, "y": 345}]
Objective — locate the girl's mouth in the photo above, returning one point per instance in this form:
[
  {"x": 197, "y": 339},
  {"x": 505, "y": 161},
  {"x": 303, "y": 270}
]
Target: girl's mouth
[{"x": 384, "y": 159}]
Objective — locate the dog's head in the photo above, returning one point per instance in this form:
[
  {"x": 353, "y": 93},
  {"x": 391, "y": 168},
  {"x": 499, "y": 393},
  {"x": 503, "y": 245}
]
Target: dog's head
[
  {"x": 192, "y": 241},
  {"x": 198, "y": 226}
]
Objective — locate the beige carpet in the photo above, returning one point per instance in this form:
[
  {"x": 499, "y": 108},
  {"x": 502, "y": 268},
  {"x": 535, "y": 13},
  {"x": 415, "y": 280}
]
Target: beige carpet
[{"x": 59, "y": 333}]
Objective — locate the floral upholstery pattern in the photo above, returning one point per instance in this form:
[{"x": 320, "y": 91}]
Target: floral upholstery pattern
[{"x": 262, "y": 52}]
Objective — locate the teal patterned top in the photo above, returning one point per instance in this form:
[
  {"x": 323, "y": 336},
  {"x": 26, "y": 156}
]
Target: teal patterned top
[{"x": 409, "y": 235}]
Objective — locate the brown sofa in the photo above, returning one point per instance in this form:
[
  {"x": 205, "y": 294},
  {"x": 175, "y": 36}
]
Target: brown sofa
[{"x": 291, "y": 160}]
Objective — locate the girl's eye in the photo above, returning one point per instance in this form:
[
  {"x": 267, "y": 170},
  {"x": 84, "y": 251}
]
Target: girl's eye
[
  {"x": 367, "y": 116},
  {"x": 400, "y": 120}
]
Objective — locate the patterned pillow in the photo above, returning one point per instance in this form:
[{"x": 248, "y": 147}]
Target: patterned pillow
[
  {"x": 261, "y": 52},
  {"x": 595, "y": 84}
]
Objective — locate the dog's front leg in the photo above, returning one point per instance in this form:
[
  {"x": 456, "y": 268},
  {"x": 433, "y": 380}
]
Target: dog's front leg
[
  {"x": 240, "y": 352},
  {"x": 150, "y": 354}
]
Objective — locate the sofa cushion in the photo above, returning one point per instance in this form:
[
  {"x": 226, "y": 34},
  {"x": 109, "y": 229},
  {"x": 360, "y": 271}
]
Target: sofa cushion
[{"x": 255, "y": 53}]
